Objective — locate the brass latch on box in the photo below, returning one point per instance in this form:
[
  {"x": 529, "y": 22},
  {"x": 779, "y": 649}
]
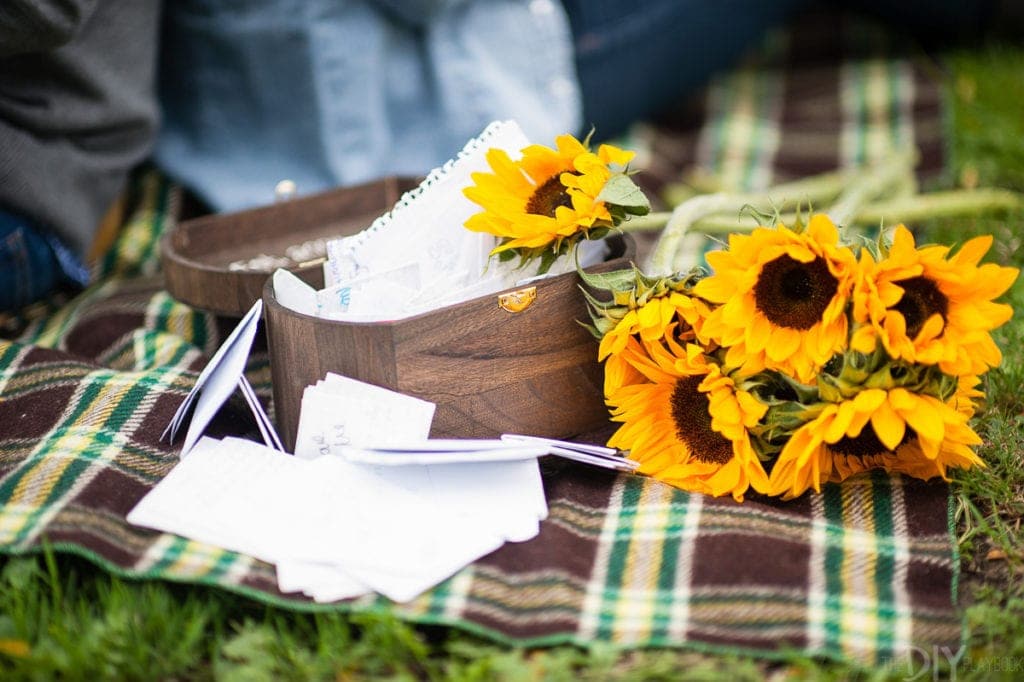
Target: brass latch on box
[{"x": 519, "y": 300}]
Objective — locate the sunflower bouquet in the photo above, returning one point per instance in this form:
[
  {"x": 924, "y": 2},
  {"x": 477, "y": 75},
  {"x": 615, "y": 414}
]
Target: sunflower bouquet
[{"x": 802, "y": 359}]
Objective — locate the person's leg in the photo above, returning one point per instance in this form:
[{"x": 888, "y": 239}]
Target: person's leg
[
  {"x": 32, "y": 263},
  {"x": 636, "y": 59}
]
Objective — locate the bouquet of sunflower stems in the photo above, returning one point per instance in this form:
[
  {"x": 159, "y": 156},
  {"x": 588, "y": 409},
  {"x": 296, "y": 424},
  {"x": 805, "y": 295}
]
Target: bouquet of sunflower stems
[
  {"x": 802, "y": 359},
  {"x": 808, "y": 354}
]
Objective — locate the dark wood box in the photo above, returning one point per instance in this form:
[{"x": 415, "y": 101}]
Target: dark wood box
[{"x": 489, "y": 370}]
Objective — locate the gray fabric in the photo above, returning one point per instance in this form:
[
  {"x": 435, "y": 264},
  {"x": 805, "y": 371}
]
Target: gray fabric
[{"x": 77, "y": 107}]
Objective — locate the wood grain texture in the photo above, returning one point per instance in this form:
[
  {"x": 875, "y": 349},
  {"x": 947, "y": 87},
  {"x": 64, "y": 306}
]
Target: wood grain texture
[
  {"x": 488, "y": 370},
  {"x": 196, "y": 254}
]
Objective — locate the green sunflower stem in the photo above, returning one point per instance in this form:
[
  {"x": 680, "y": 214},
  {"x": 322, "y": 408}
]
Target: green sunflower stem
[
  {"x": 904, "y": 209},
  {"x": 817, "y": 189},
  {"x": 948, "y": 204},
  {"x": 662, "y": 260},
  {"x": 867, "y": 196},
  {"x": 874, "y": 183}
]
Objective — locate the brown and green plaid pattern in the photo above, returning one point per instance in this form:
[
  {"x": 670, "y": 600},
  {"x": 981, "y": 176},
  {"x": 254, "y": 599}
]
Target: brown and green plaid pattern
[
  {"x": 794, "y": 109},
  {"x": 863, "y": 571}
]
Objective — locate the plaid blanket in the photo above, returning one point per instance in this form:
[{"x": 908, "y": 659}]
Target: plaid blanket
[
  {"x": 863, "y": 571},
  {"x": 830, "y": 92}
]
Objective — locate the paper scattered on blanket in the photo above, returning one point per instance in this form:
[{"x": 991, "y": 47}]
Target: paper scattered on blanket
[
  {"x": 368, "y": 502},
  {"x": 337, "y": 529},
  {"x": 419, "y": 256}
]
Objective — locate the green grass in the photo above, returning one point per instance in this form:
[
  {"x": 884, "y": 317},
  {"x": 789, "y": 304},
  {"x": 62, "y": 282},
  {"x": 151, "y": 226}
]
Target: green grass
[
  {"x": 62, "y": 618},
  {"x": 988, "y": 90}
]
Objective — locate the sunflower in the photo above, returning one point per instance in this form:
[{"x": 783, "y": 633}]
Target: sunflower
[
  {"x": 652, "y": 320},
  {"x": 546, "y": 197},
  {"x": 967, "y": 395},
  {"x": 783, "y": 297},
  {"x": 674, "y": 314},
  {"x": 687, "y": 423},
  {"x": 929, "y": 308},
  {"x": 896, "y": 430},
  {"x": 620, "y": 368}
]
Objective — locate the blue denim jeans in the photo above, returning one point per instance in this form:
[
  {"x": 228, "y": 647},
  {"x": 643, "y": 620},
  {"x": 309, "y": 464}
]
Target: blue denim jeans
[
  {"x": 636, "y": 59},
  {"x": 32, "y": 263}
]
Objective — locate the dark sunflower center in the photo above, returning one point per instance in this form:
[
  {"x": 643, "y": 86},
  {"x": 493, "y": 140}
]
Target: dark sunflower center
[
  {"x": 794, "y": 294},
  {"x": 548, "y": 197},
  {"x": 867, "y": 444},
  {"x": 693, "y": 423},
  {"x": 921, "y": 299}
]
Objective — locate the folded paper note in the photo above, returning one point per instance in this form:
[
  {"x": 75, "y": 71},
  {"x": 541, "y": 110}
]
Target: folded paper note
[
  {"x": 585, "y": 453},
  {"x": 218, "y": 380},
  {"x": 369, "y": 503},
  {"x": 443, "y": 451},
  {"x": 509, "y": 448},
  {"x": 338, "y": 412}
]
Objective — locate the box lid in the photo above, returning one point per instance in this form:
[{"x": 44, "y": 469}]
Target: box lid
[{"x": 220, "y": 262}]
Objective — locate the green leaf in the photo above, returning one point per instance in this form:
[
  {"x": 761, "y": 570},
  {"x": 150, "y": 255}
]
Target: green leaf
[
  {"x": 594, "y": 331},
  {"x": 620, "y": 190},
  {"x": 594, "y": 302},
  {"x": 616, "y": 280},
  {"x": 547, "y": 259},
  {"x": 618, "y": 213}
]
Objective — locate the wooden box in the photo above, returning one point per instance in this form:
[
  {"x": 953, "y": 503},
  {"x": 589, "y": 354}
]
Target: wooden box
[{"x": 490, "y": 370}]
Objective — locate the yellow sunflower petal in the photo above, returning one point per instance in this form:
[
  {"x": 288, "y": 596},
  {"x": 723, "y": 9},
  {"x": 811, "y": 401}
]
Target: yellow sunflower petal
[
  {"x": 973, "y": 250},
  {"x": 837, "y": 426},
  {"x": 921, "y": 413},
  {"x": 612, "y": 154},
  {"x": 888, "y": 425}
]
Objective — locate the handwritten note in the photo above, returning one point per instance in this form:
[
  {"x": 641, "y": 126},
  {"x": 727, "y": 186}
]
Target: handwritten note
[{"x": 338, "y": 411}]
